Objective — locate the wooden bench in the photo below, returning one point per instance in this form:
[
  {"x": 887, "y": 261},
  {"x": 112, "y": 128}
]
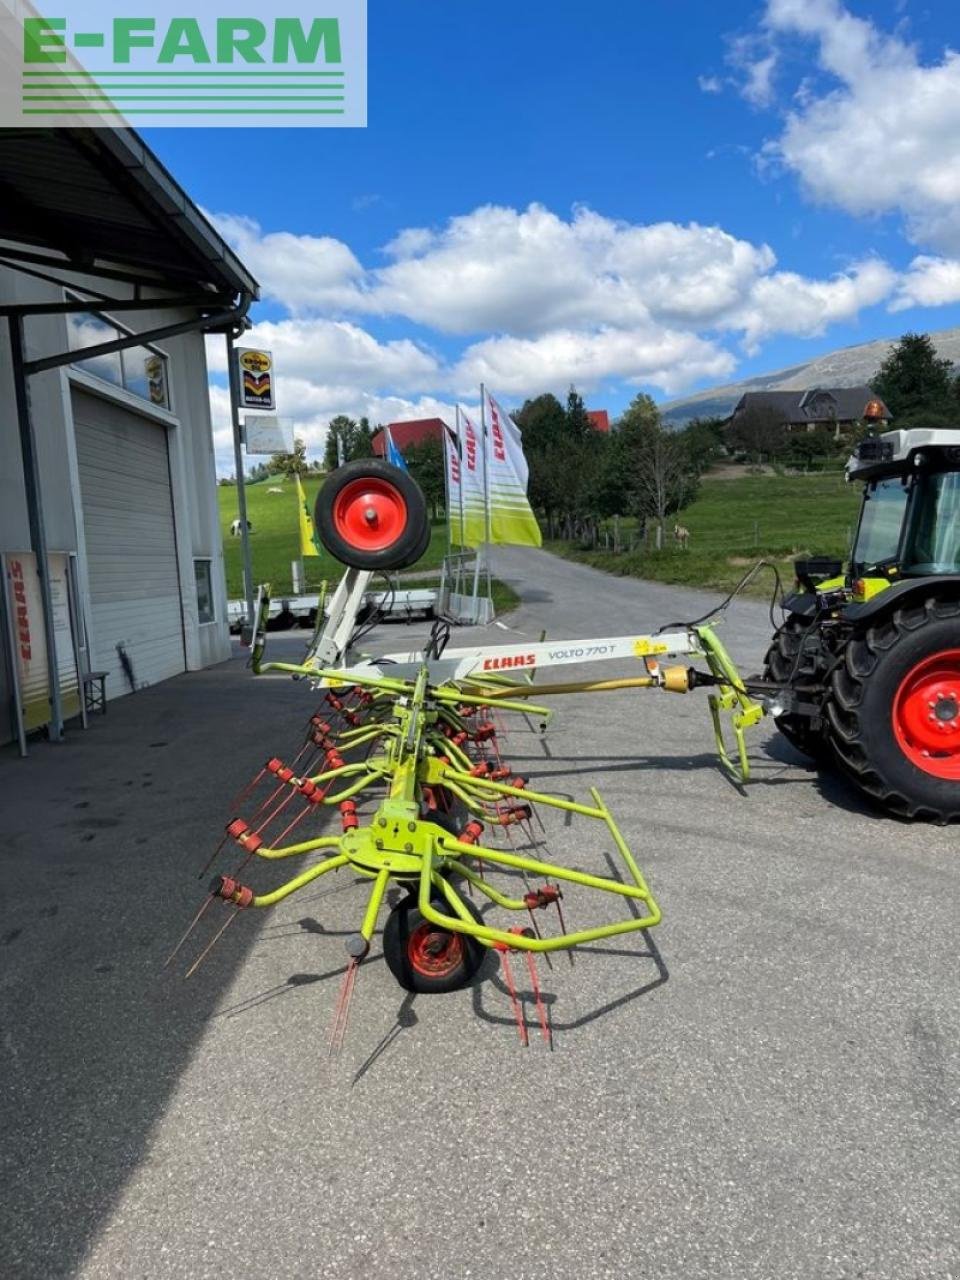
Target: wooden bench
[{"x": 95, "y": 691}]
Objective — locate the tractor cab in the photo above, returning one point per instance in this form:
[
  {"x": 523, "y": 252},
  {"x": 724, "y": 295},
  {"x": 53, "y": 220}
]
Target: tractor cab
[{"x": 909, "y": 523}]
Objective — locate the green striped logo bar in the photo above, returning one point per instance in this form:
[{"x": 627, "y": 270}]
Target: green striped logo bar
[{"x": 98, "y": 67}]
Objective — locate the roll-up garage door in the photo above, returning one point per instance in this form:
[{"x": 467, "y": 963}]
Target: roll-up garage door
[{"x": 131, "y": 550}]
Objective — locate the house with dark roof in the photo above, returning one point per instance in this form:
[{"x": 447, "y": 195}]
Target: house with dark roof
[{"x": 836, "y": 408}]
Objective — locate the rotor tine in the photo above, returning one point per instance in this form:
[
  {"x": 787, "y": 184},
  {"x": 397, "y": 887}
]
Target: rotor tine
[
  {"x": 286, "y": 831},
  {"x": 279, "y": 809},
  {"x": 242, "y": 795},
  {"x": 190, "y": 928},
  {"x": 541, "y": 1008},
  {"x": 341, "y": 1010},
  {"x": 211, "y": 944},
  {"x": 514, "y": 998},
  {"x": 213, "y": 857}
]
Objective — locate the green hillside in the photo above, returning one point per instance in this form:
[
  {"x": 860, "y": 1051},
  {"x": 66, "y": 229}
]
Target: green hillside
[{"x": 735, "y": 522}]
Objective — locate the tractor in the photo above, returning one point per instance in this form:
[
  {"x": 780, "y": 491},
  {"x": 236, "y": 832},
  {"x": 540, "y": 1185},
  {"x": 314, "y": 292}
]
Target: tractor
[{"x": 868, "y": 660}]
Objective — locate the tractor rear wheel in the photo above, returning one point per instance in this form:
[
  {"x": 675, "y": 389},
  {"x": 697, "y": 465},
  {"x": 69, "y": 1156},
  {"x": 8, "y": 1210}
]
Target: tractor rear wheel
[
  {"x": 783, "y": 665},
  {"x": 893, "y": 710}
]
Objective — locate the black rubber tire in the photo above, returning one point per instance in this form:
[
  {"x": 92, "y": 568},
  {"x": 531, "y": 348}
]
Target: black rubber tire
[
  {"x": 859, "y": 710},
  {"x": 401, "y": 924},
  {"x": 781, "y": 667},
  {"x": 407, "y": 547}
]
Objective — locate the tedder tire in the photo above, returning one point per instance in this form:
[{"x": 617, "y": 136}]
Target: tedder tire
[
  {"x": 893, "y": 710},
  {"x": 371, "y": 515},
  {"x": 781, "y": 667},
  {"x": 423, "y": 957}
]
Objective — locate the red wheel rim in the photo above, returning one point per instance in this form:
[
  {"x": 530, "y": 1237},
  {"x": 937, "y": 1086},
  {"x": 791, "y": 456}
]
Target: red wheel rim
[
  {"x": 370, "y": 514},
  {"x": 926, "y": 715},
  {"x": 433, "y": 952}
]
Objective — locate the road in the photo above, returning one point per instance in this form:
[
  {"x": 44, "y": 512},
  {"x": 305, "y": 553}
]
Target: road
[{"x": 769, "y": 1088}]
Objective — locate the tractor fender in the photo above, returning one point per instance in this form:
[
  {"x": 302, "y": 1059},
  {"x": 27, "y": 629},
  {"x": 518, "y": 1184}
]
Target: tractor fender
[{"x": 944, "y": 584}]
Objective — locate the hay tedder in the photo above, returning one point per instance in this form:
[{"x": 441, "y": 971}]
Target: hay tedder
[{"x": 406, "y": 748}]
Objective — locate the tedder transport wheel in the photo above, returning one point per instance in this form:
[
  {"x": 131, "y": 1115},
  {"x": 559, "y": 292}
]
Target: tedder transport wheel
[
  {"x": 781, "y": 666},
  {"x": 423, "y": 957},
  {"x": 893, "y": 710},
  {"x": 371, "y": 515}
]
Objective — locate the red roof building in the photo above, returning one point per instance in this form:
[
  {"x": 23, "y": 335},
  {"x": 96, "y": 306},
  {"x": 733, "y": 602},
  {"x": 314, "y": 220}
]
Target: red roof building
[
  {"x": 405, "y": 434},
  {"x": 420, "y": 429}
]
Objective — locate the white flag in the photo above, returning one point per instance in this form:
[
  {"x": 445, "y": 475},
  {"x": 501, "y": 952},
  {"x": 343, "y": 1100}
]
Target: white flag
[{"x": 511, "y": 516}]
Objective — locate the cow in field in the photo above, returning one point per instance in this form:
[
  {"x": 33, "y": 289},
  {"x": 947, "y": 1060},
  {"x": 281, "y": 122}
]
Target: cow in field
[
  {"x": 236, "y": 526},
  {"x": 681, "y": 535}
]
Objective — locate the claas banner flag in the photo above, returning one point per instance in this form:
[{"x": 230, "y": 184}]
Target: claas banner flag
[
  {"x": 511, "y": 516},
  {"x": 309, "y": 543},
  {"x": 454, "y": 479},
  {"x": 468, "y": 524}
]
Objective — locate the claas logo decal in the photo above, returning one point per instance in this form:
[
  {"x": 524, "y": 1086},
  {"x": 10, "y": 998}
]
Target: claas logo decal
[{"x": 511, "y": 660}]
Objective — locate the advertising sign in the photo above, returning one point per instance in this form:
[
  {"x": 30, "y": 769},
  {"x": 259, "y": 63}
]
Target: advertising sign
[{"x": 256, "y": 379}]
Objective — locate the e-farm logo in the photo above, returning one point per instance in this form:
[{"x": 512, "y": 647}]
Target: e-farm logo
[{"x": 97, "y": 65}]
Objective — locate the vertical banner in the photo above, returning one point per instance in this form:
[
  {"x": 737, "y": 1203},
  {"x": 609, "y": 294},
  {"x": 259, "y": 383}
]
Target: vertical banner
[
  {"x": 454, "y": 474},
  {"x": 511, "y": 516},
  {"x": 30, "y": 653},
  {"x": 309, "y": 542},
  {"x": 473, "y": 529}
]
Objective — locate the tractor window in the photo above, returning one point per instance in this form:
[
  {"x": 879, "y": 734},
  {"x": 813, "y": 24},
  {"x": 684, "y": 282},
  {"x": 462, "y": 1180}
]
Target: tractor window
[
  {"x": 932, "y": 544},
  {"x": 878, "y": 537}
]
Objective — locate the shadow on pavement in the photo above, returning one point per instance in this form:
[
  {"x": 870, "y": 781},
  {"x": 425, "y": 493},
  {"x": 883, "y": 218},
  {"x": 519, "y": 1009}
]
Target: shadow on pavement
[{"x": 104, "y": 835}]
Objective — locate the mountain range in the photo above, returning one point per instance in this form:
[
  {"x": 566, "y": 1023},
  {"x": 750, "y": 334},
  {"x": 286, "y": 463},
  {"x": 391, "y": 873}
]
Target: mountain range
[{"x": 846, "y": 367}]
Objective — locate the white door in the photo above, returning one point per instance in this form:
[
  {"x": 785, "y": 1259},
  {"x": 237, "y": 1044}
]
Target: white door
[{"x": 131, "y": 550}]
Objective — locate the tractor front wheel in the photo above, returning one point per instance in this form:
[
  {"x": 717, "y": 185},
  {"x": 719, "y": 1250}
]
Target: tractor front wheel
[
  {"x": 796, "y": 654},
  {"x": 893, "y": 711}
]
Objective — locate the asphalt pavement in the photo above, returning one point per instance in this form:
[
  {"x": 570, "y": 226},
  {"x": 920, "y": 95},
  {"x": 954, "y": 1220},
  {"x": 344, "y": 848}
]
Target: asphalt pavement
[{"x": 765, "y": 1085}]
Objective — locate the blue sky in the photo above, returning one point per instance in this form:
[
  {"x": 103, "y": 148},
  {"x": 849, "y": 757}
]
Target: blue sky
[{"x": 715, "y": 190}]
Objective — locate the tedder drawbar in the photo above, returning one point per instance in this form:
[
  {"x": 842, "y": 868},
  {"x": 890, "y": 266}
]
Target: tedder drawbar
[{"x": 406, "y": 748}]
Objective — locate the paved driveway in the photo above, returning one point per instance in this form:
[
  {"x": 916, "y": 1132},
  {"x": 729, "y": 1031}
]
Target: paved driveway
[{"x": 770, "y": 1090}]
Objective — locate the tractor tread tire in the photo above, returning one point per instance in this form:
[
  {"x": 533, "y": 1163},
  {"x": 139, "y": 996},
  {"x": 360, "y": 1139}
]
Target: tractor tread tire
[{"x": 859, "y": 711}]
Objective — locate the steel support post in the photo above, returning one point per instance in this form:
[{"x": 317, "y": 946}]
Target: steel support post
[{"x": 241, "y": 489}]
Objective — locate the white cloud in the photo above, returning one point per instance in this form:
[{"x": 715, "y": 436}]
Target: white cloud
[
  {"x": 335, "y": 350},
  {"x": 519, "y": 366},
  {"x": 531, "y": 271},
  {"x": 302, "y": 272},
  {"x": 929, "y": 282},
  {"x": 790, "y": 303},
  {"x": 884, "y": 133},
  {"x": 710, "y": 84},
  {"x": 754, "y": 61}
]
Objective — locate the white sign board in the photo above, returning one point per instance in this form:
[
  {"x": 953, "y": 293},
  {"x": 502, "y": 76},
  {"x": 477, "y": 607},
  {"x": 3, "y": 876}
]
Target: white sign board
[{"x": 266, "y": 434}]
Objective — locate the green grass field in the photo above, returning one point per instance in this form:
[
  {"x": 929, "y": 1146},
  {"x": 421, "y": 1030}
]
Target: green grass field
[
  {"x": 734, "y": 523},
  {"x": 275, "y": 542}
]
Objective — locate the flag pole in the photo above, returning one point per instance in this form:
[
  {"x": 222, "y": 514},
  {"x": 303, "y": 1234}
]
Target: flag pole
[{"x": 486, "y": 490}]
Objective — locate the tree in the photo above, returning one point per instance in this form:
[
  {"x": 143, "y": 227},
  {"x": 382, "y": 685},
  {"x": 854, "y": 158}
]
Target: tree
[
  {"x": 704, "y": 441},
  {"x": 347, "y": 440},
  {"x": 578, "y": 425},
  {"x": 426, "y": 464},
  {"x": 759, "y": 431},
  {"x": 916, "y": 385},
  {"x": 653, "y": 466},
  {"x": 288, "y": 464}
]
